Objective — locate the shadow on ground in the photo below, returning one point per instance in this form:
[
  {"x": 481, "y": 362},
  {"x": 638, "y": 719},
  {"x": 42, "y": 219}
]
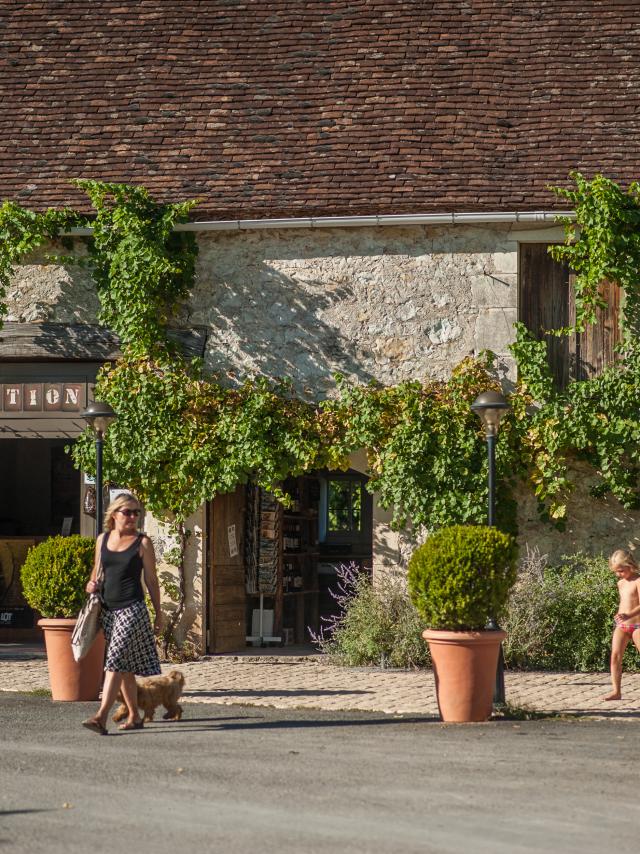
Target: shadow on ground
[{"x": 293, "y": 692}]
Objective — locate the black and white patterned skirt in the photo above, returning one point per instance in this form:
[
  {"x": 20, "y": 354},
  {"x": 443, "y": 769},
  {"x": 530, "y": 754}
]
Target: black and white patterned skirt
[{"x": 131, "y": 647}]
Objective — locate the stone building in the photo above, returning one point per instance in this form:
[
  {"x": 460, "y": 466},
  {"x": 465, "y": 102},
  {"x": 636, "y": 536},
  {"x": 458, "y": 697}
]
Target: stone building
[{"x": 373, "y": 179}]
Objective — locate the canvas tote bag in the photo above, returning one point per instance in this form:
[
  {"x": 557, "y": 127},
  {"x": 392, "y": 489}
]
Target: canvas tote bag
[{"x": 88, "y": 622}]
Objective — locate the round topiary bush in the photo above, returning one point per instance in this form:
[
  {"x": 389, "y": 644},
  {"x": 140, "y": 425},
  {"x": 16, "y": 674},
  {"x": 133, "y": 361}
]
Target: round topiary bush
[
  {"x": 462, "y": 576},
  {"x": 55, "y": 573}
]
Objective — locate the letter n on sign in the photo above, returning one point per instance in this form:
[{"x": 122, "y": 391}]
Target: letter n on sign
[{"x": 73, "y": 397}]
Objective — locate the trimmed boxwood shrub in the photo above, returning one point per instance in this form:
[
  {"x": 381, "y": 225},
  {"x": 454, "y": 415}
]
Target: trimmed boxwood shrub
[
  {"x": 462, "y": 576},
  {"x": 55, "y": 573}
]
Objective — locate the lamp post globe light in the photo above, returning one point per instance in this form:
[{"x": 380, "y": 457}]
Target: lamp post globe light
[
  {"x": 490, "y": 406},
  {"x": 99, "y": 416}
]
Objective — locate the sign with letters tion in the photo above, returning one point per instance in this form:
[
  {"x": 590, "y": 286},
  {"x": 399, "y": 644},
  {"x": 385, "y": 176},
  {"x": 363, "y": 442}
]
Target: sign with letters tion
[{"x": 42, "y": 398}]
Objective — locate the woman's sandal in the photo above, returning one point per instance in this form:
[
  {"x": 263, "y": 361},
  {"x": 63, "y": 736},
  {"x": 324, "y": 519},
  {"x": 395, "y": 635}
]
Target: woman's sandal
[
  {"x": 132, "y": 725},
  {"x": 95, "y": 726}
]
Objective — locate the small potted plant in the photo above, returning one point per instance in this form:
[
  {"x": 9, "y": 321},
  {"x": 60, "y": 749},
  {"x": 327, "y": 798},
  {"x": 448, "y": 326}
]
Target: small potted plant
[
  {"x": 458, "y": 580},
  {"x": 54, "y": 576}
]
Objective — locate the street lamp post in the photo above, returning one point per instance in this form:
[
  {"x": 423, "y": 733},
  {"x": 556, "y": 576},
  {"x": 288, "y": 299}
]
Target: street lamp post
[
  {"x": 99, "y": 416},
  {"x": 490, "y": 406}
]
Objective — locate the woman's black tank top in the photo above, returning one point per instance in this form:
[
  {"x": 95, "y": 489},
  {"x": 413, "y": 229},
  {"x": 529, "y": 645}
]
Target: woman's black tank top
[{"x": 122, "y": 584}]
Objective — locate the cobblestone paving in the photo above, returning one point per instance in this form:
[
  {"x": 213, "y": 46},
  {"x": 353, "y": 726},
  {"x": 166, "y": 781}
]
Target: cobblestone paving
[{"x": 287, "y": 682}]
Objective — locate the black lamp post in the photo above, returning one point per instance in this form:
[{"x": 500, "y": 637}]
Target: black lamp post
[
  {"x": 490, "y": 406},
  {"x": 99, "y": 416}
]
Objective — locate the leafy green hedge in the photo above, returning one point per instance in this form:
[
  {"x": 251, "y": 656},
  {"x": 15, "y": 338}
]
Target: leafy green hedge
[
  {"x": 55, "y": 573},
  {"x": 462, "y": 576},
  {"x": 561, "y": 617}
]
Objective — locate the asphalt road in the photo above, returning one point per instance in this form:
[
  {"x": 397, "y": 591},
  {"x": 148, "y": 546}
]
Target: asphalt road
[{"x": 240, "y": 779}]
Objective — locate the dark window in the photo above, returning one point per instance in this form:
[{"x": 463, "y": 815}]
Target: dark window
[{"x": 345, "y": 509}]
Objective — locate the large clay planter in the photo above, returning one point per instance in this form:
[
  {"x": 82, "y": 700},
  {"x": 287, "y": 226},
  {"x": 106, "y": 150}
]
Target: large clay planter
[
  {"x": 464, "y": 666},
  {"x": 72, "y": 680}
]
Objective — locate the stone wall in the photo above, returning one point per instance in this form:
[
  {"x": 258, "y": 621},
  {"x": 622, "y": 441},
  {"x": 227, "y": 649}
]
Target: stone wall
[
  {"x": 388, "y": 304},
  {"x": 42, "y": 292},
  {"x": 594, "y": 525},
  {"x": 371, "y": 303}
]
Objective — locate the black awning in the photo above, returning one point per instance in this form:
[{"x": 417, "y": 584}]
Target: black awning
[{"x": 42, "y": 428}]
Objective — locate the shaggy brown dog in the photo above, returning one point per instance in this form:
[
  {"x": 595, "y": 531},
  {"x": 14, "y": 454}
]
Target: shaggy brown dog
[{"x": 154, "y": 691}]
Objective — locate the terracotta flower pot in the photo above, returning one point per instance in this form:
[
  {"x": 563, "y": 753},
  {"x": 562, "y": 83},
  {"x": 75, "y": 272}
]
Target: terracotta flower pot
[
  {"x": 464, "y": 666},
  {"x": 71, "y": 680}
]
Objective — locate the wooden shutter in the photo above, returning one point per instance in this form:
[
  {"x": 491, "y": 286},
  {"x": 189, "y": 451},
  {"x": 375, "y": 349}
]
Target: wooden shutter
[
  {"x": 547, "y": 301},
  {"x": 543, "y": 298},
  {"x": 594, "y": 348}
]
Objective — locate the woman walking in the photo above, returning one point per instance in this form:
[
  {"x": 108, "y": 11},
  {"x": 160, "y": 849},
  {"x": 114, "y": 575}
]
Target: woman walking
[{"x": 125, "y": 555}]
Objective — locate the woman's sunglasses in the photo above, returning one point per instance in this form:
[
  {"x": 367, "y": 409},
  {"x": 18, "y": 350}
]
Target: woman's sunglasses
[{"x": 129, "y": 513}]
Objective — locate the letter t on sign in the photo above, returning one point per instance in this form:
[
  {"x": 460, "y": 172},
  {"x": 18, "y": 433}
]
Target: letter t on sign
[{"x": 12, "y": 398}]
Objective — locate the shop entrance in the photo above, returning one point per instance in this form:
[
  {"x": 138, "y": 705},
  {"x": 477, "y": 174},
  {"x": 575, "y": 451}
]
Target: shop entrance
[
  {"x": 39, "y": 496},
  {"x": 273, "y": 567}
]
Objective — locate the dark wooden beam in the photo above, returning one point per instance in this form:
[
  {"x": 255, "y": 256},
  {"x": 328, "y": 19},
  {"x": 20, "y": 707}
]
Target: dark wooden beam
[{"x": 79, "y": 342}]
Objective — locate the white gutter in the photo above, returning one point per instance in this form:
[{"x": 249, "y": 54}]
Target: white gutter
[{"x": 363, "y": 221}]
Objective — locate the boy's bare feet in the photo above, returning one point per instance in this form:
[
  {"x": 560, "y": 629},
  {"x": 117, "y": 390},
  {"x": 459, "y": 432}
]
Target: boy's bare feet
[{"x": 614, "y": 695}]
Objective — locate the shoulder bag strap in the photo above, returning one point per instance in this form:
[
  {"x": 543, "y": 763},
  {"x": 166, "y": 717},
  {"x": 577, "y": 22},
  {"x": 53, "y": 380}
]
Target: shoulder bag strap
[{"x": 100, "y": 571}]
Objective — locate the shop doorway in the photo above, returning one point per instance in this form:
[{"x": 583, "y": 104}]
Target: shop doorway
[
  {"x": 39, "y": 497},
  {"x": 272, "y": 568}
]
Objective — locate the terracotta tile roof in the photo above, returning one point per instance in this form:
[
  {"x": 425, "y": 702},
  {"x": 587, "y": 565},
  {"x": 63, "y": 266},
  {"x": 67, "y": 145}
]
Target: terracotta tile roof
[{"x": 288, "y": 108}]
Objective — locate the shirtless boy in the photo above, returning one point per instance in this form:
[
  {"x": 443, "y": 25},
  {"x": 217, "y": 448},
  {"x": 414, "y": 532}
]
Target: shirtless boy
[{"x": 627, "y": 620}]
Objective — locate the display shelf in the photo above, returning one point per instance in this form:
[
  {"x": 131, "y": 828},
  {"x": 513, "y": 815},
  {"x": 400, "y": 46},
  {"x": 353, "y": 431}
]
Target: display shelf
[{"x": 300, "y": 553}]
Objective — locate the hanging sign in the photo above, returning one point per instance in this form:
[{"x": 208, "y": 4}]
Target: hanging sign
[{"x": 42, "y": 397}]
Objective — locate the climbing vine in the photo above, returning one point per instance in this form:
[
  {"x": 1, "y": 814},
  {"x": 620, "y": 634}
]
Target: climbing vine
[
  {"x": 182, "y": 437},
  {"x": 602, "y": 244},
  {"x": 597, "y": 419},
  {"x": 426, "y": 456},
  {"x": 142, "y": 268}
]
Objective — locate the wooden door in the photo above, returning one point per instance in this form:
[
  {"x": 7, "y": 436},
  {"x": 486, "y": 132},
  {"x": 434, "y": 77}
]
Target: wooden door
[{"x": 227, "y": 590}]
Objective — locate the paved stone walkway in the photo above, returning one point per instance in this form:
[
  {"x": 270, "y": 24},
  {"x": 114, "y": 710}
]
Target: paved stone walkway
[{"x": 288, "y": 682}]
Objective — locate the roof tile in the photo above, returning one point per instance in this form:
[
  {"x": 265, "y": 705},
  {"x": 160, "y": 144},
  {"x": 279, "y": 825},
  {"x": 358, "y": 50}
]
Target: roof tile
[{"x": 317, "y": 108}]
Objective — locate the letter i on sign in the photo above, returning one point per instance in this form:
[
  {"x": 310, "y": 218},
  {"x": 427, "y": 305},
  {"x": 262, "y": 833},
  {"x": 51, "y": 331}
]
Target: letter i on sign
[{"x": 33, "y": 397}]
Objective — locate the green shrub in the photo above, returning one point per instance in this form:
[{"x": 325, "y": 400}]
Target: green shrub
[
  {"x": 561, "y": 617},
  {"x": 462, "y": 576},
  {"x": 55, "y": 573},
  {"x": 375, "y": 625}
]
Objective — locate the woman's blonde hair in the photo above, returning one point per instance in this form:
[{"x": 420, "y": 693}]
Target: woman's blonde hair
[
  {"x": 622, "y": 557},
  {"x": 118, "y": 502}
]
